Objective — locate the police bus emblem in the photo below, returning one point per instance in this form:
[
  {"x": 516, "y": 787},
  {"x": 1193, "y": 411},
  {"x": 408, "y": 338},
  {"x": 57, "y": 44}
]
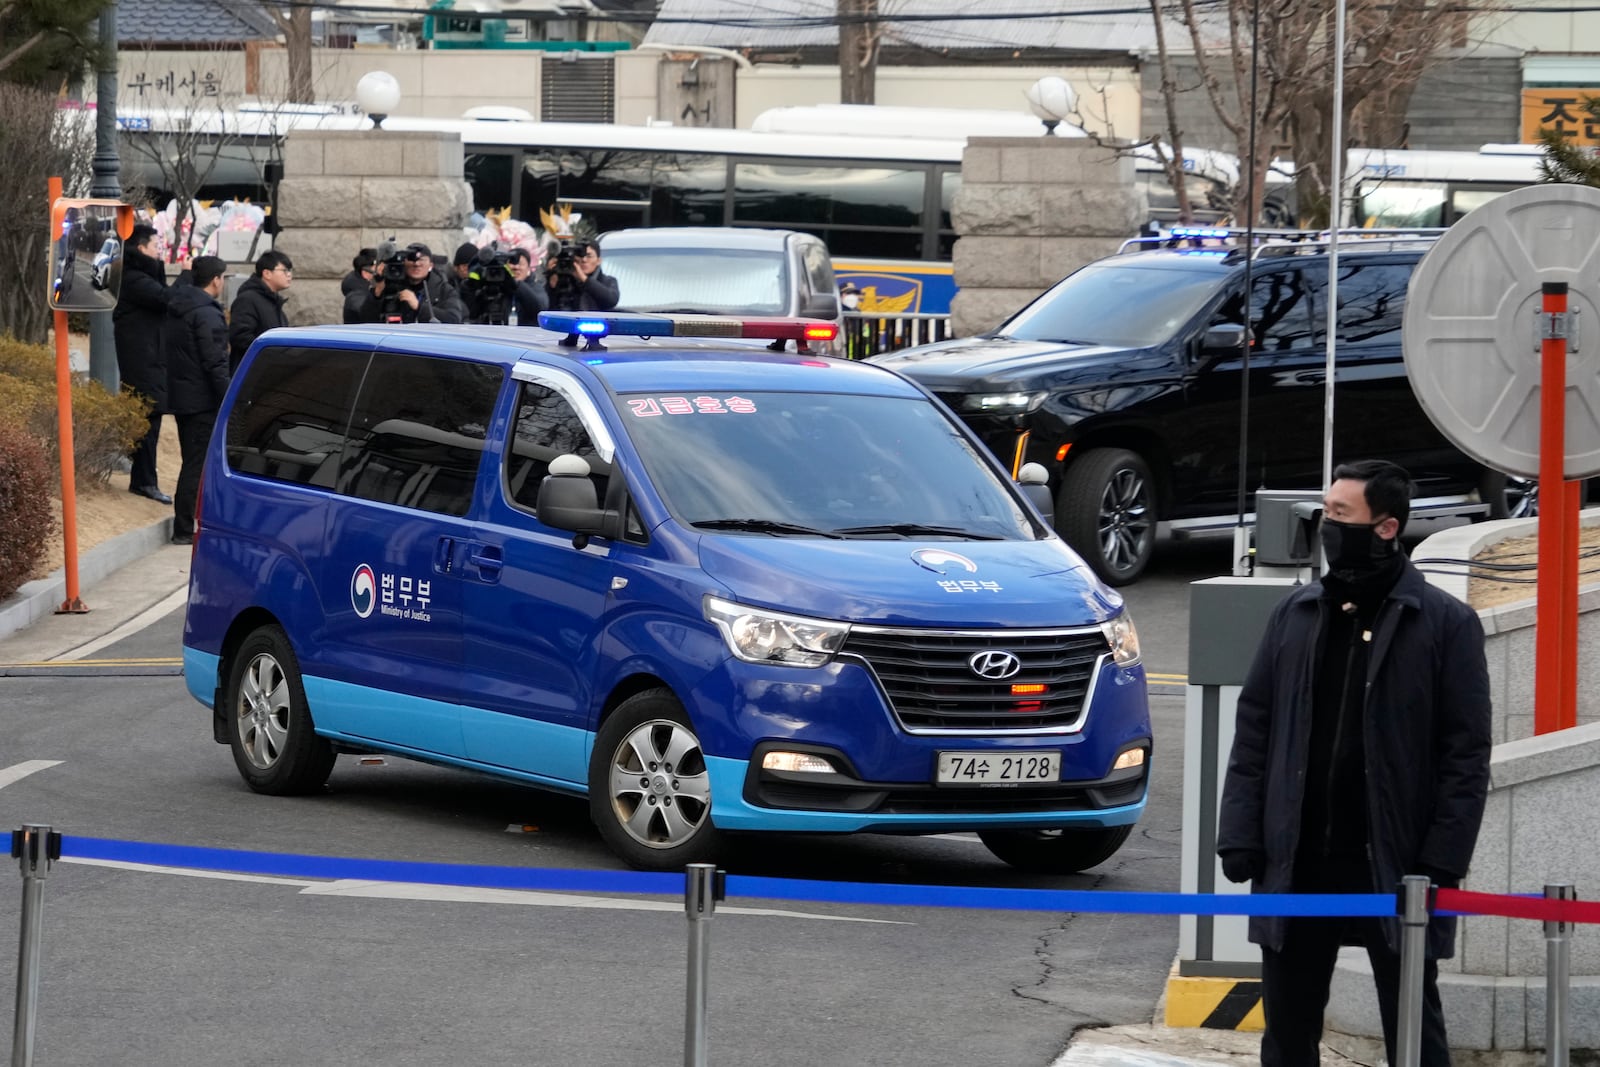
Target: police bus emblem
[{"x": 363, "y": 591}]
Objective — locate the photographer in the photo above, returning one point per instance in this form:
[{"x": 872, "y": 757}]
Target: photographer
[
  {"x": 575, "y": 280},
  {"x": 408, "y": 289},
  {"x": 499, "y": 289}
]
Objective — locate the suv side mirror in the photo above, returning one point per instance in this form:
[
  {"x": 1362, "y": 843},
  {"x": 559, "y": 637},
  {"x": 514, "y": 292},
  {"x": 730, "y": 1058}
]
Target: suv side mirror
[
  {"x": 567, "y": 500},
  {"x": 1224, "y": 339}
]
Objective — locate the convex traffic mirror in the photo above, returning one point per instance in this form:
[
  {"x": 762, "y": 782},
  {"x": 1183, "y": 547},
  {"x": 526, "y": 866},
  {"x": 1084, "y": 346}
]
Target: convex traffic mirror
[{"x": 86, "y": 253}]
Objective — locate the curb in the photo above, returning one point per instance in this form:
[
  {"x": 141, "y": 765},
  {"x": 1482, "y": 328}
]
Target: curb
[{"x": 39, "y": 599}]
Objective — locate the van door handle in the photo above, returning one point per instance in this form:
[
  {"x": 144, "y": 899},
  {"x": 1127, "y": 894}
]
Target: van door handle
[
  {"x": 444, "y": 556},
  {"x": 488, "y": 560}
]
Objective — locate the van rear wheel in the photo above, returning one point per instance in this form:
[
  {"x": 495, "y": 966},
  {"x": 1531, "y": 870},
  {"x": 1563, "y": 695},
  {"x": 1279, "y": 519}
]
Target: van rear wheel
[
  {"x": 274, "y": 743},
  {"x": 649, "y": 787},
  {"x": 1106, "y": 510},
  {"x": 1065, "y": 851}
]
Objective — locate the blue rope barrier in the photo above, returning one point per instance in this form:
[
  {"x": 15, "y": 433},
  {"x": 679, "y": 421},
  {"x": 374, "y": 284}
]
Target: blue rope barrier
[{"x": 560, "y": 879}]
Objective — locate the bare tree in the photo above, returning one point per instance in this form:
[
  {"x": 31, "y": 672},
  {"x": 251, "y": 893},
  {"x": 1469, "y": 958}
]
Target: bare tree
[
  {"x": 294, "y": 22},
  {"x": 37, "y": 142},
  {"x": 860, "y": 37}
]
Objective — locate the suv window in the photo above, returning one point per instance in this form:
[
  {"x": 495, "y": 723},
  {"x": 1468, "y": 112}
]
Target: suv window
[
  {"x": 1372, "y": 302},
  {"x": 288, "y": 419},
  {"x": 1283, "y": 310},
  {"x": 547, "y": 427},
  {"x": 416, "y": 436},
  {"x": 1119, "y": 304}
]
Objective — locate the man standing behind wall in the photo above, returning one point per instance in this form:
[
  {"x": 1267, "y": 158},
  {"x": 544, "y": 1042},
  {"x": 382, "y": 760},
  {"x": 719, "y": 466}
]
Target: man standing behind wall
[
  {"x": 196, "y": 338},
  {"x": 1360, "y": 755},
  {"x": 259, "y": 305}
]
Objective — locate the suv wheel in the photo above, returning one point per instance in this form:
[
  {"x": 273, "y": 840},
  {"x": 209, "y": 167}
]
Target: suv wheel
[
  {"x": 649, "y": 787},
  {"x": 1107, "y": 512},
  {"x": 1509, "y": 496},
  {"x": 275, "y": 746},
  {"x": 1055, "y": 851}
]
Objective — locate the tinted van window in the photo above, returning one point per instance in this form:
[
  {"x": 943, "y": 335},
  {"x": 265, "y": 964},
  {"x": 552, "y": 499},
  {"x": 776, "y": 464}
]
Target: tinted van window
[
  {"x": 547, "y": 427},
  {"x": 416, "y": 436},
  {"x": 288, "y": 421}
]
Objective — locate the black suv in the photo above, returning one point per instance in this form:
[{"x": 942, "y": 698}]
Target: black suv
[{"x": 1124, "y": 381}]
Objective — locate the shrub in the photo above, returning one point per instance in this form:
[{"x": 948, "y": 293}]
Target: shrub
[
  {"x": 104, "y": 427},
  {"x": 27, "y": 511}
]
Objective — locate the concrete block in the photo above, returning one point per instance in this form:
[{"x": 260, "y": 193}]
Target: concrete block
[
  {"x": 1495, "y": 654},
  {"x": 1060, "y": 256},
  {"x": 1352, "y": 998},
  {"x": 318, "y": 202},
  {"x": 998, "y": 263},
  {"x": 314, "y": 302},
  {"x": 1067, "y": 160},
  {"x": 979, "y": 165},
  {"x": 1545, "y": 849},
  {"x": 1510, "y": 1014},
  {"x": 1021, "y": 166},
  {"x": 1522, "y": 658},
  {"x": 361, "y": 153},
  {"x": 302, "y": 156},
  {"x": 320, "y": 253},
  {"x": 415, "y": 202},
  {"x": 1469, "y": 1004},
  {"x": 1089, "y": 210},
  {"x": 1519, "y": 727},
  {"x": 1481, "y": 940},
  {"x": 996, "y": 209},
  {"x": 974, "y": 311},
  {"x": 1583, "y": 1002},
  {"x": 432, "y": 159}
]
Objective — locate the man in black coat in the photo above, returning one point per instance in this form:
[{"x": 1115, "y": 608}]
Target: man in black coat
[
  {"x": 578, "y": 283},
  {"x": 361, "y": 272},
  {"x": 421, "y": 294},
  {"x": 514, "y": 301},
  {"x": 1360, "y": 755},
  {"x": 258, "y": 306},
  {"x": 141, "y": 309},
  {"x": 196, "y": 337}
]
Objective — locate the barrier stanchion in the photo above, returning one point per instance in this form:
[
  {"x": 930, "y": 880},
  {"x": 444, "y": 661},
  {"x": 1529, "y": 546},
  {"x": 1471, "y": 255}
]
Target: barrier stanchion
[
  {"x": 35, "y": 848},
  {"x": 1557, "y": 979},
  {"x": 1413, "y": 957},
  {"x": 702, "y": 889}
]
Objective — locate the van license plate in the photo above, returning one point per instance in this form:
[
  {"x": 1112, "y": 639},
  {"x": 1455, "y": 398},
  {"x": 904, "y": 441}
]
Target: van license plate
[{"x": 1008, "y": 768}]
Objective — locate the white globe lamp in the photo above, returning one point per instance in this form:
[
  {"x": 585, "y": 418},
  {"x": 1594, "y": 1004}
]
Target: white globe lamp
[
  {"x": 1052, "y": 99},
  {"x": 378, "y": 94}
]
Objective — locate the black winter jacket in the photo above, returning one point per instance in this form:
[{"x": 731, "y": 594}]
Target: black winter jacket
[
  {"x": 436, "y": 302},
  {"x": 196, "y": 336},
  {"x": 256, "y": 309},
  {"x": 598, "y": 293},
  {"x": 136, "y": 323},
  {"x": 1427, "y": 744}
]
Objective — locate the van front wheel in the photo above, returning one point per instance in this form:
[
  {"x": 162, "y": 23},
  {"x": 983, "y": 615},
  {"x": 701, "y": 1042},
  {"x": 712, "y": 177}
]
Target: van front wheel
[
  {"x": 649, "y": 787},
  {"x": 1055, "y": 851}
]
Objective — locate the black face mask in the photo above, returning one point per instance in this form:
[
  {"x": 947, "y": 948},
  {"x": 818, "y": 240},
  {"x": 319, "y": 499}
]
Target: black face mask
[{"x": 1355, "y": 547}]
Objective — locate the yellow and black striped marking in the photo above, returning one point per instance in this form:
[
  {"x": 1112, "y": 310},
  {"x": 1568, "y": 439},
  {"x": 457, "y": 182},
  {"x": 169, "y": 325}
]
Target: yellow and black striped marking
[{"x": 1214, "y": 1003}]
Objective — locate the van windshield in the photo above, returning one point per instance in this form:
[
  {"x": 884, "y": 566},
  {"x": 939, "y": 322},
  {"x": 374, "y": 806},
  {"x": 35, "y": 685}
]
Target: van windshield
[
  {"x": 1116, "y": 304},
  {"x": 819, "y": 464},
  {"x": 707, "y": 281}
]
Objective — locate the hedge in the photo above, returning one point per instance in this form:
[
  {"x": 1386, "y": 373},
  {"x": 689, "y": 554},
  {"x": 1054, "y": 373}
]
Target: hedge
[
  {"x": 104, "y": 427},
  {"x": 27, "y": 510}
]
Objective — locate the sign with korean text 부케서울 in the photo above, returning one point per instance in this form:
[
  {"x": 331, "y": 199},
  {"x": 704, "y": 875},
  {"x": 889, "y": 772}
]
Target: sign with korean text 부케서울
[{"x": 1560, "y": 109}]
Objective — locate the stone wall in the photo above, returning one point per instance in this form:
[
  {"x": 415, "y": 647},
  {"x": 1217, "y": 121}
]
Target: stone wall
[
  {"x": 347, "y": 190},
  {"x": 1030, "y": 211}
]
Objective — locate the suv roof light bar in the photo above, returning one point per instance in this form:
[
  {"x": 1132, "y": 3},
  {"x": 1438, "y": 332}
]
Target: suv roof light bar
[
  {"x": 1263, "y": 239},
  {"x": 591, "y": 324}
]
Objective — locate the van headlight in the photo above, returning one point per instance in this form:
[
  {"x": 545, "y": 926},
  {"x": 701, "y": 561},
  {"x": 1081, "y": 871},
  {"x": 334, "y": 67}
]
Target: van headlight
[
  {"x": 1003, "y": 403},
  {"x": 1123, "y": 639},
  {"x": 757, "y": 635}
]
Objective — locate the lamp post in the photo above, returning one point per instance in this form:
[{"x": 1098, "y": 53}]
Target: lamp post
[
  {"x": 378, "y": 94},
  {"x": 107, "y": 183},
  {"x": 1052, "y": 99}
]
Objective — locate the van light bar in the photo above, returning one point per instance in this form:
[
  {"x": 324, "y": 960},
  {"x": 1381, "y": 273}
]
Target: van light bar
[
  {"x": 1197, "y": 231},
  {"x": 591, "y": 325}
]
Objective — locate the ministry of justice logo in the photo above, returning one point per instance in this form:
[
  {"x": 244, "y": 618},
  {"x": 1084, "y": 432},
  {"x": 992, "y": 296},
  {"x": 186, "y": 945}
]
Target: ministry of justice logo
[{"x": 363, "y": 591}]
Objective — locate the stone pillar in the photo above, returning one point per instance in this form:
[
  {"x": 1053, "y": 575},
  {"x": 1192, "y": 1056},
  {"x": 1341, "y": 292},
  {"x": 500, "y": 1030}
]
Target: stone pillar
[
  {"x": 1030, "y": 211},
  {"x": 345, "y": 190}
]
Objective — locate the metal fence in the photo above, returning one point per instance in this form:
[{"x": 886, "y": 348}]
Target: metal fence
[{"x": 867, "y": 333}]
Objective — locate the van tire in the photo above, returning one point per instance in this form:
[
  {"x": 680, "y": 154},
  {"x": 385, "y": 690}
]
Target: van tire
[
  {"x": 274, "y": 743},
  {"x": 649, "y": 786},
  {"x": 1065, "y": 851},
  {"x": 1106, "y": 511}
]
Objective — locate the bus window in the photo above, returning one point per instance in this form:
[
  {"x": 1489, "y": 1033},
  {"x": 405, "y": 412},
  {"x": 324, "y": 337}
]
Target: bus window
[
  {"x": 1390, "y": 204},
  {"x": 1464, "y": 200},
  {"x": 609, "y": 188},
  {"x": 688, "y": 189},
  {"x": 804, "y": 193},
  {"x": 489, "y": 174},
  {"x": 949, "y": 185}
]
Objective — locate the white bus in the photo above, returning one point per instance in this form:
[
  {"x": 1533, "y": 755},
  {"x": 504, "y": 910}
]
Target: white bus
[{"x": 1402, "y": 188}]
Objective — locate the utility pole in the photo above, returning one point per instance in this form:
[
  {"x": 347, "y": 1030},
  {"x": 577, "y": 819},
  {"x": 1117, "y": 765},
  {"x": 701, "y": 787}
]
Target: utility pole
[{"x": 108, "y": 184}]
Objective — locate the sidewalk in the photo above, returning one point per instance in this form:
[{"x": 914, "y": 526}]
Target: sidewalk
[{"x": 134, "y": 579}]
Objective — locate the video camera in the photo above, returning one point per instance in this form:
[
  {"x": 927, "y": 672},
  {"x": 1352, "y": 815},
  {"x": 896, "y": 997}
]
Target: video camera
[
  {"x": 489, "y": 288},
  {"x": 563, "y": 273}
]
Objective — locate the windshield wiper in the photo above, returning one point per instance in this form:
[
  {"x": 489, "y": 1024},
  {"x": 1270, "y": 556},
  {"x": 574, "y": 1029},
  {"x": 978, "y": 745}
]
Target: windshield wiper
[
  {"x": 768, "y": 526},
  {"x": 911, "y": 529}
]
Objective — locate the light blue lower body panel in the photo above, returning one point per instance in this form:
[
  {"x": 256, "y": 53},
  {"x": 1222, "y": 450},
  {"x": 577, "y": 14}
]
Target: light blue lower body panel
[
  {"x": 385, "y": 717},
  {"x": 499, "y": 740},
  {"x": 730, "y": 811},
  {"x": 200, "y": 674}
]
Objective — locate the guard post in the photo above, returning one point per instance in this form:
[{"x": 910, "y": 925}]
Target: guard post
[
  {"x": 35, "y": 848},
  {"x": 702, "y": 888}
]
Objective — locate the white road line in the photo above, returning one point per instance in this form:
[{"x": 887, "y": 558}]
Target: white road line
[
  {"x": 132, "y": 626},
  {"x": 18, "y": 772},
  {"x": 459, "y": 894}
]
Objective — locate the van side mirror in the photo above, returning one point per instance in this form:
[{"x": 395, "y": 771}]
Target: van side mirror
[
  {"x": 567, "y": 500},
  {"x": 1224, "y": 340},
  {"x": 820, "y": 306},
  {"x": 1034, "y": 480}
]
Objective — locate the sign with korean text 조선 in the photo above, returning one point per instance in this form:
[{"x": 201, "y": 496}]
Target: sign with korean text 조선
[{"x": 1559, "y": 109}]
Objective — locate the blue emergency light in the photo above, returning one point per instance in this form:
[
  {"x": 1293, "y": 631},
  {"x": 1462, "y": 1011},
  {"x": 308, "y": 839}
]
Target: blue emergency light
[{"x": 623, "y": 325}]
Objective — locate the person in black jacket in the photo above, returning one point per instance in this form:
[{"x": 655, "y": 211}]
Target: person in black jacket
[
  {"x": 258, "y": 306},
  {"x": 141, "y": 310},
  {"x": 514, "y": 300},
  {"x": 361, "y": 273},
  {"x": 1360, "y": 755},
  {"x": 420, "y": 294},
  {"x": 196, "y": 337},
  {"x": 576, "y": 282}
]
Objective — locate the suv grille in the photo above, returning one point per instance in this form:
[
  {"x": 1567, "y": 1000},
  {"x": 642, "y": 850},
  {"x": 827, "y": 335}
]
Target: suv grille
[{"x": 932, "y": 687}]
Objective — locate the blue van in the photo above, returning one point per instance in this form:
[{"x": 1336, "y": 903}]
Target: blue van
[{"x": 713, "y": 589}]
